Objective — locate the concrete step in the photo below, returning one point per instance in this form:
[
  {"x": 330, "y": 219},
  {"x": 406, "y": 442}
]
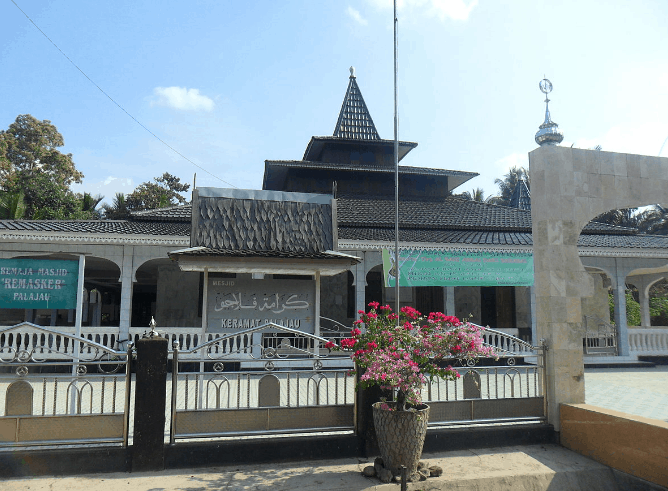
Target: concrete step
[
  {"x": 533, "y": 467},
  {"x": 616, "y": 362}
]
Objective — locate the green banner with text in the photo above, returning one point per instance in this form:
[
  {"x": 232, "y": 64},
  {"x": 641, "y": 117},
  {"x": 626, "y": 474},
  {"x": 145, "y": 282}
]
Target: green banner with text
[
  {"x": 38, "y": 284},
  {"x": 458, "y": 268}
]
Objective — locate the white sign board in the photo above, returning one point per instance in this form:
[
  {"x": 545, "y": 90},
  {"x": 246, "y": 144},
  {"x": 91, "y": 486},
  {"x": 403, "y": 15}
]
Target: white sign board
[{"x": 237, "y": 304}]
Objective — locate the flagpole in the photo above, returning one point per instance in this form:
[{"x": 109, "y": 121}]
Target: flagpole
[{"x": 396, "y": 170}]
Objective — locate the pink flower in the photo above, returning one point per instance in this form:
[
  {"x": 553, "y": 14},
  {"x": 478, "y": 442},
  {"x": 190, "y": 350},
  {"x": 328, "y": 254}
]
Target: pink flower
[
  {"x": 374, "y": 305},
  {"x": 355, "y": 332},
  {"x": 348, "y": 343},
  {"x": 330, "y": 345}
]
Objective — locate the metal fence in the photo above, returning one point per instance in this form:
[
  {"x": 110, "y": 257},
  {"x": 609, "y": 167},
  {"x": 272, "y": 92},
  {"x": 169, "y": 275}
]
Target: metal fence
[
  {"x": 600, "y": 337},
  {"x": 266, "y": 380},
  {"x": 56, "y": 389}
]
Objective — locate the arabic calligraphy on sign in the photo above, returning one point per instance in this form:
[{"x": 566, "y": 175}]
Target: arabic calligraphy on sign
[
  {"x": 276, "y": 302},
  {"x": 243, "y": 302}
]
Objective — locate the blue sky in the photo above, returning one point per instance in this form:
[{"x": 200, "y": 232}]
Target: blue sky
[{"x": 230, "y": 84}]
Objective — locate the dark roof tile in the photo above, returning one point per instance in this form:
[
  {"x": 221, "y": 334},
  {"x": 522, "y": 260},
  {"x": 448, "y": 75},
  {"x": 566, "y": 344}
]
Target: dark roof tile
[{"x": 118, "y": 227}]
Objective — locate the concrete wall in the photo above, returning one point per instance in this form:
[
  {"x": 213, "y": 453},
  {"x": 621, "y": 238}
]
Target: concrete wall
[
  {"x": 632, "y": 444},
  {"x": 570, "y": 187},
  {"x": 177, "y": 298}
]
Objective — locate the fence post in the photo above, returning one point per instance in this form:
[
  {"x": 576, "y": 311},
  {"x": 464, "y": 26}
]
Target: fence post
[
  {"x": 148, "y": 453},
  {"x": 364, "y": 427}
]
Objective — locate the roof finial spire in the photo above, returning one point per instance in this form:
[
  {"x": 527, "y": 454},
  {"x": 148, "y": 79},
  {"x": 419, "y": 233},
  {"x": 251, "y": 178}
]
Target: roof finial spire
[
  {"x": 354, "y": 121},
  {"x": 549, "y": 132}
]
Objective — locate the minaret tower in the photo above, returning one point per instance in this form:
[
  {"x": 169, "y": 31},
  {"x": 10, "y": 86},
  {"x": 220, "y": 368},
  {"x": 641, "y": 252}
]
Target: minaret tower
[{"x": 549, "y": 132}]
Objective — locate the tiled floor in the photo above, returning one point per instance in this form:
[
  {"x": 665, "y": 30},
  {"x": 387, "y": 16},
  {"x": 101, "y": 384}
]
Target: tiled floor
[{"x": 638, "y": 391}]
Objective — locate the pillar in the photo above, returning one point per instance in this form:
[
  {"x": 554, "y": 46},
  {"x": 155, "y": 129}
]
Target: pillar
[
  {"x": 360, "y": 285},
  {"x": 534, "y": 332},
  {"x": 645, "y": 319},
  {"x": 620, "y": 315},
  {"x": 449, "y": 293},
  {"x": 148, "y": 453},
  {"x": 126, "y": 295}
]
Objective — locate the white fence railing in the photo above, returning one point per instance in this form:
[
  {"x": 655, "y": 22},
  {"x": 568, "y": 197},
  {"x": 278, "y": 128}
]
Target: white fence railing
[
  {"x": 642, "y": 341},
  {"x": 648, "y": 341}
]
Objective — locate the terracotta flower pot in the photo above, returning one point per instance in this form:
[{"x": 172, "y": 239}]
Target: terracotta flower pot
[{"x": 400, "y": 436}]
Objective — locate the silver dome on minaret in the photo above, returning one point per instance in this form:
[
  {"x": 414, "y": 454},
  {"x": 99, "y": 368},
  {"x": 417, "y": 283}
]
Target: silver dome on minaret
[{"x": 549, "y": 132}]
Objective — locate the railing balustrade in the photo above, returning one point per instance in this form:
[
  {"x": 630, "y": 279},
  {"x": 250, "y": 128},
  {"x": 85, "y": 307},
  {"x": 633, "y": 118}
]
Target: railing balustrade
[{"x": 648, "y": 341}]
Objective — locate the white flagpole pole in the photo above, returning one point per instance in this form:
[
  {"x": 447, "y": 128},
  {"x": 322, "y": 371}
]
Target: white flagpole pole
[
  {"x": 77, "y": 330},
  {"x": 396, "y": 169}
]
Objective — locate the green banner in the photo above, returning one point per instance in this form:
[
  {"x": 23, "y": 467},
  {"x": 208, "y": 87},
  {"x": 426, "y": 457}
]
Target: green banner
[
  {"x": 38, "y": 284},
  {"x": 452, "y": 268}
]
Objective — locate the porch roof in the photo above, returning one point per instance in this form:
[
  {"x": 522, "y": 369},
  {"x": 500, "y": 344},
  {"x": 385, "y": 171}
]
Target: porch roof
[{"x": 327, "y": 263}]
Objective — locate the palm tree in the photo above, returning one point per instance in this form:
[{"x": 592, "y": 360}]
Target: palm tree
[
  {"x": 507, "y": 185},
  {"x": 118, "y": 210},
  {"x": 627, "y": 217},
  {"x": 654, "y": 220},
  {"x": 89, "y": 204},
  {"x": 477, "y": 194},
  {"x": 12, "y": 205}
]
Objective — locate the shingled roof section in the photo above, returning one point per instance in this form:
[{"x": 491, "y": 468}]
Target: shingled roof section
[
  {"x": 452, "y": 213},
  {"x": 179, "y": 213},
  {"x": 242, "y": 220},
  {"x": 116, "y": 227},
  {"x": 355, "y": 122},
  {"x": 497, "y": 238},
  {"x": 208, "y": 252}
]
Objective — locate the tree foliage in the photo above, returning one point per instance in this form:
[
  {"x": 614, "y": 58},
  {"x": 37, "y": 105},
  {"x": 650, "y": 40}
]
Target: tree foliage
[
  {"x": 508, "y": 183},
  {"x": 476, "y": 194},
  {"x": 164, "y": 191},
  {"x": 12, "y": 205},
  {"x": 117, "y": 210},
  {"x": 31, "y": 163}
]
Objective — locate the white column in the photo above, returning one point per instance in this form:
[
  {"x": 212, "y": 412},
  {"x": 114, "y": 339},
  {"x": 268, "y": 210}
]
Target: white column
[
  {"x": 360, "y": 286},
  {"x": 449, "y": 292},
  {"x": 77, "y": 330},
  {"x": 534, "y": 336},
  {"x": 317, "y": 303},
  {"x": 126, "y": 295},
  {"x": 643, "y": 296},
  {"x": 620, "y": 315},
  {"x": 205, "y": 301}
]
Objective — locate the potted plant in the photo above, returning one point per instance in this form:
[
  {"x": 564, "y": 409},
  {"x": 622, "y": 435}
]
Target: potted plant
[{"x": 401, "y": 353}]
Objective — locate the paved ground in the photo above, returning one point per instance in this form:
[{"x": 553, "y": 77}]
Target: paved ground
[
  {"x": 536, "y": 467},
  {"x": 638, "y": 391}
]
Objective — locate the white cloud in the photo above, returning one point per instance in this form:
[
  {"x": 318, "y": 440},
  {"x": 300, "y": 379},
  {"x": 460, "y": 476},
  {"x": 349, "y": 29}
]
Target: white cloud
[
  {"x": 503, "y": 165},
  {"x": 107, "y": 187},
  {"x": 443, "y": 9},
  {"x": 356, "y": 16},
  {"x": 182, "y": 98},
  {"x": 643, "y": 139}
]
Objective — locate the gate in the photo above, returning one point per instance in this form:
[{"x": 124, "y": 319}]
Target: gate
[
  {"x": 264, "y": 380},
  {"x": 57, "y": 389},
  {"x": 510, "y": 389},
  {"x": 600, "y": 337}
]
